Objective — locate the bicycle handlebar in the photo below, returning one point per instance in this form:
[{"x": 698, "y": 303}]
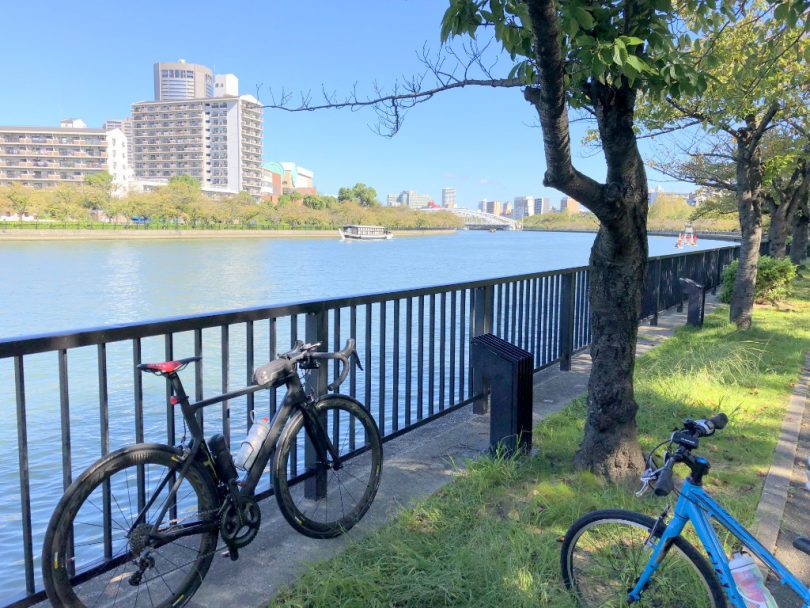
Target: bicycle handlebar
[
  {"x": 341, "y": 355},
  {"x": 687, "y": 440}
]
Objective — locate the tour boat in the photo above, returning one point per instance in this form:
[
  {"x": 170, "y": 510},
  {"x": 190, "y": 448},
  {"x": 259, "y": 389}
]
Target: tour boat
[{"x": 365, "y": 233}]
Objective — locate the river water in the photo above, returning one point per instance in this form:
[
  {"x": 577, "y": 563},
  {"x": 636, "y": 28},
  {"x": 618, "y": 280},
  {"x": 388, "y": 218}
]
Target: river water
[{"x": 66, "y": 285}]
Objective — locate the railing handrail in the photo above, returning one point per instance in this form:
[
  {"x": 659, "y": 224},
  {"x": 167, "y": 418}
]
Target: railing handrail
[{"x": 50, "y": 341}]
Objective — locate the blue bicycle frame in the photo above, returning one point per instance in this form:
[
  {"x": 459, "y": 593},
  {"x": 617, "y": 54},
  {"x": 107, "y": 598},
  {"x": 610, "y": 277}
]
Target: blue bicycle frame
[{"x": 697, "y": 506}]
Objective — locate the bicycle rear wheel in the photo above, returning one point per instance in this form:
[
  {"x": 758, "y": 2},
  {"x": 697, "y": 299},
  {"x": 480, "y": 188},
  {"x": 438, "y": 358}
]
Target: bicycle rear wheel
[
  {"x": 349, "y": 491},
  {"x": 605, "y": 552},
  {"x": 93, "y": 552}
]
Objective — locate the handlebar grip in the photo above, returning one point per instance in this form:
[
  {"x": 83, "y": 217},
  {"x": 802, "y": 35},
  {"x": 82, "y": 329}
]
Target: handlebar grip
[
  {"x": 344, "y": 372},
  {"x": 719, "y": 421},
  {"x": 665, "y": 484}
]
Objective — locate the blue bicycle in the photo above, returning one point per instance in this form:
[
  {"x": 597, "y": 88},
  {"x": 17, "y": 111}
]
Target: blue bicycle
[{"x": 616, "y": 558}]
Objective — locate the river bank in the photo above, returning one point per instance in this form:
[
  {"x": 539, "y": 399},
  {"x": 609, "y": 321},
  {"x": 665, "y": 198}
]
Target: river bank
[{"x": 34, "y": 234}]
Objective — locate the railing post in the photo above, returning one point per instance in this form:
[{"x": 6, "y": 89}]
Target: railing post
[
  {"x": 482, "y": 317},
  {"x": 718, "y": 271},
  {"x": 656, "y": 278},
  {"x": 566, "y": 321},
  {"x": 317, "y": 330}
]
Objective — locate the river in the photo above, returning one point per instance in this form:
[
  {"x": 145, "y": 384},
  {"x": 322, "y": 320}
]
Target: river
[{"x": 64, "y": 285}]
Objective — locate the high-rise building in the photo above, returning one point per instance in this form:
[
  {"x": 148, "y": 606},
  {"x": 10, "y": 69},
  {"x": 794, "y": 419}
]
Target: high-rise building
[
  {"x": 409, "y": 198},
  {"x": 215, "y": 140},
  {"x": 449, "y": 198},
  {"x": 524, "y": 207},
  {"x": 493, "y": 207},
  {"x": 45, "y": 157},
  {"x": 226, "y": 85},
  {"x": 542, "y": 204},
  {"x": 507, "y": 209},
  {"x": 569, "y": 205},
  {"x": 181, "y": 80}
]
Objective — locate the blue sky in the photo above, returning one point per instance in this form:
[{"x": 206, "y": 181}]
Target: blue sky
[{"x": 93, "y": 61}]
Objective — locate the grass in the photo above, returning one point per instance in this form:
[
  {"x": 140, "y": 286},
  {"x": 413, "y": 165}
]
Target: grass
[{"x": 491, "y": 537}]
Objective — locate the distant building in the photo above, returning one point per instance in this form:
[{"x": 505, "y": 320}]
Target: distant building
[
  {"x": 507, "y": 209},
  {"x": 218, "y": 141},
  {"x": 524, "y": 207},
  {"x": 46, "y": 157},
  {"x": 449, "y": 198},
  {"x": 569, "y": 205},
  {"x": 493, "y": 207},
  {"x": 181, "y": 80},
  {"x": 297, "y": 179},
  {"x": 409, "y": 198},
  {"x": 696, "y": 199},
  {"x": 542, "y": 204},
  {"x": 226, "y": 85},
  {"x": 118, "y": 162},
  {"x": 272, "y": 178}
]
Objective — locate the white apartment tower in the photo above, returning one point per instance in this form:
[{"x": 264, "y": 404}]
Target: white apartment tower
[{"x": 211, "y": 133}]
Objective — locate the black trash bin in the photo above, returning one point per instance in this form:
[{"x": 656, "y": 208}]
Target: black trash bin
[
  {"x": 508, "y": 370},
  {"x": 696, "y": 294}
]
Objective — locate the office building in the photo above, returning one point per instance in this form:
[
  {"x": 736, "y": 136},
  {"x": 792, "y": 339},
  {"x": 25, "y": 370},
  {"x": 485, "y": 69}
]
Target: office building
[
  {"x": 449, "y": 198},
  {"x": 493, "y": 207},
  {"x": 542, "y": 204},
  {"x": 46, "y": 157},
  {"x": 216, "y": 140},
  {"x": 507, "y": 209},
  {"x": 181, "y": 80},
  {"x": 409, "y": 198},
  {"x": 569, "y": 205},
  {"x": 524, "y": 207}
]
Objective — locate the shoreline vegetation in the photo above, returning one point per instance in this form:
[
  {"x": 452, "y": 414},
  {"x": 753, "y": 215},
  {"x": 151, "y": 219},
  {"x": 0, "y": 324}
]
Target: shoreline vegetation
[
  {"x": 134, "y": 232},
  {"x": 502, "y": 519},
  {"x": 181, "y": 206}
]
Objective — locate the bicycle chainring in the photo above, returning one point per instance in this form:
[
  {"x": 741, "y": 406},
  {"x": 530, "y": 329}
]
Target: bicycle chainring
[{"x": 236, "y": 531}]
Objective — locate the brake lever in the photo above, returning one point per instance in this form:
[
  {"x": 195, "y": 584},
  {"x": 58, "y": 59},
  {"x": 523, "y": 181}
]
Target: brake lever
[
  {"x": 646, "y": 477},
  {"x": 356, "y": 359}
]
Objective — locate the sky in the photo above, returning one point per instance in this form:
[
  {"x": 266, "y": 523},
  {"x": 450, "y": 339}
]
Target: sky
[{"x": 93, "y": 60}]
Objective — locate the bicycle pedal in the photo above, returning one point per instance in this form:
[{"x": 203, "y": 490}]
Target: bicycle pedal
[{"x": 232, "y": 553}]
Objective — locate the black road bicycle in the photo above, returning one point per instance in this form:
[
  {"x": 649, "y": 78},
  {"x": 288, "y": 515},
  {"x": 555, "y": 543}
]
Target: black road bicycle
[{"x": 140, "y": 527}]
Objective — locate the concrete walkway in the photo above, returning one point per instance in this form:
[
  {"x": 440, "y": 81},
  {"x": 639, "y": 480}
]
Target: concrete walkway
[
  {"x": 794, "y": 520},
  {"x": 415, "y": 466}
]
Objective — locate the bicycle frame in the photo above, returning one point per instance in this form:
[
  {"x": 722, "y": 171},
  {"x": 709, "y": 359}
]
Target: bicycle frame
[
  {"x": 696, "y": 506},
  {"x": 295, "y": 398}
]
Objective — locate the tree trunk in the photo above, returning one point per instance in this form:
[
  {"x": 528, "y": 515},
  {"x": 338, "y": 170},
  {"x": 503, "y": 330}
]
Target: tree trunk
[
  {"x": 610, "y": 446},
  {"x": 778, "y": 232},
  {"x": 618, "y": 267},
  {"x": 749, "y": 204},
  {"x": 798, "y": 247}
]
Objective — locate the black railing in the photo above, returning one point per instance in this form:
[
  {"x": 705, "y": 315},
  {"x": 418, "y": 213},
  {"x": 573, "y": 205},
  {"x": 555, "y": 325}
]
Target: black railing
[{"x": 79, "y": 389}]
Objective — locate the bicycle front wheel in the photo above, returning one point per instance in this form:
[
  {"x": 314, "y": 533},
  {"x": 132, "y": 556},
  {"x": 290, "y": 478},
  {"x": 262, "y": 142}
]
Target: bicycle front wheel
[
  {"x": 98, "y": 552},
  {"x": 605, "y": 552},
  {"x": 327, "y": 501}
]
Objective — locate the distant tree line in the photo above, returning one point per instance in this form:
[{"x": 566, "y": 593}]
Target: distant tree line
[{"x": 181, "y": 201}]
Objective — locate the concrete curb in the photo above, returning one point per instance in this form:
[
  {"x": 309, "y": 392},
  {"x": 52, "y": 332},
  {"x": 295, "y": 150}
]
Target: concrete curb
[{"x": 771, "y": 507}]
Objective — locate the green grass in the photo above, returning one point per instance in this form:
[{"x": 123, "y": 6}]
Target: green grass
[{"x": 492, "y": 536}]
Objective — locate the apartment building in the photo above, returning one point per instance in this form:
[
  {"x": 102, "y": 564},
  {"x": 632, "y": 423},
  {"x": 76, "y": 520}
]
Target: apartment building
[
  {"x": 569, "y": 205},
  {"x": 46, "y": 157},
  {"x": 542, "y": 204},
  {"x": 296, "y": 178},
  {"x": 493, "y": 207},
  {"x": 449, "y": 198},
  {"x": 217, "y": 140},
  {"x": 524, "y": 207}
]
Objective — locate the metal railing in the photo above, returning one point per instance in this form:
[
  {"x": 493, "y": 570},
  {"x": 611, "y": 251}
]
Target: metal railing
[{"x": 79, "y": 389}]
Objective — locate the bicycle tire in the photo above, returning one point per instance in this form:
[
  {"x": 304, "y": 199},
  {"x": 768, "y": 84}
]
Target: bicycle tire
[
  {"x": 131, "y": 473},
  {"x": 682, "y": 575},
  {"x": 363, "y": 467}
]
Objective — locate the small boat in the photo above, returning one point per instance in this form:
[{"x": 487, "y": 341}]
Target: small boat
[{"x": 365, "y": 233}]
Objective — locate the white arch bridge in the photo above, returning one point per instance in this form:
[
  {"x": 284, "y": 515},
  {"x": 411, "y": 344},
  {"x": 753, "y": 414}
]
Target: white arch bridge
[{"x": 478, "y": 220}]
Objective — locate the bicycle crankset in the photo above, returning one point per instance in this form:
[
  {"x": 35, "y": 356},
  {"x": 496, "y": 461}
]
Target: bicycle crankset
[{"x": 237, "y": 528}]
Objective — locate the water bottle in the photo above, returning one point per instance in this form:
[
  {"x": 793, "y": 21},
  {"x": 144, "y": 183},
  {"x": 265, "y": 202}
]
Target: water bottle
[
  {"x": 250, "y": 446},
  {"x": 750, "y": 583}
]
